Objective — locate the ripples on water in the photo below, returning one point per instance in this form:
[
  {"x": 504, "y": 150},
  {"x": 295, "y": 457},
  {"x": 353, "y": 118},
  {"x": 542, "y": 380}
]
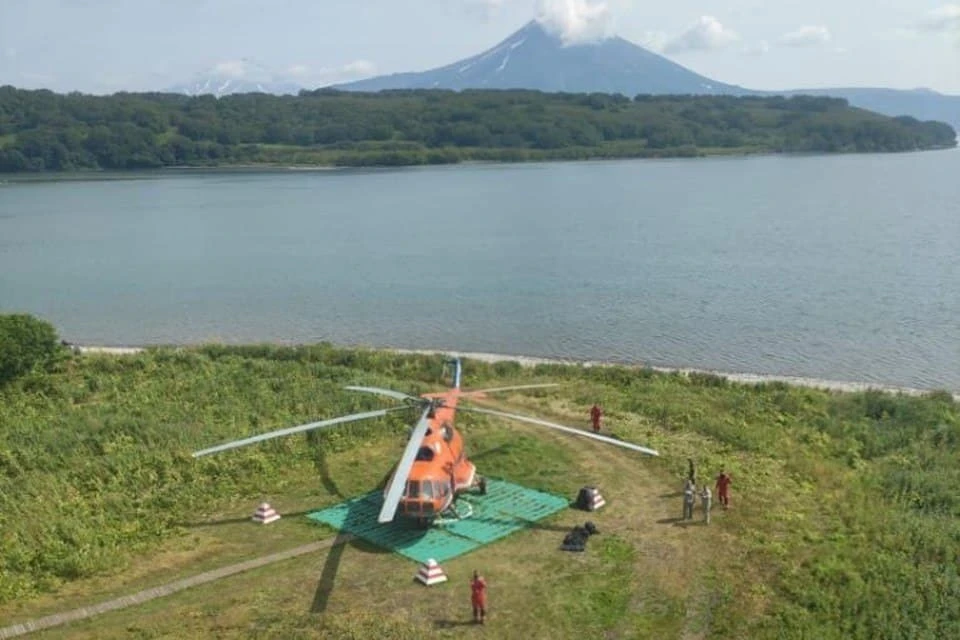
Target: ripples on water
[{"x": 841, "y": 267}]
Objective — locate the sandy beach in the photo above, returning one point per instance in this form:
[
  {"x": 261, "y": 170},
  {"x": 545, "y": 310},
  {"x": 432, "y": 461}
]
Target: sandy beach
[{"x": 530, "y": 361}]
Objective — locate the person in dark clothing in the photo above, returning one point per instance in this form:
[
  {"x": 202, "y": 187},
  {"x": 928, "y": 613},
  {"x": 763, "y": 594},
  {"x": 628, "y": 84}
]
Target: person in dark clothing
[
  {"x": 596, "y": 413},
  {"x": 723, "y": 488},
  {"x": 689, "y": 498},
  {"x": 478, "y": 597}
]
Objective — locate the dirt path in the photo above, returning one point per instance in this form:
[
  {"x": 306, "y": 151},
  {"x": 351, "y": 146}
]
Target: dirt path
[
  {"x": 671, "y": 554},
  {"x": 146, "y": 595}
]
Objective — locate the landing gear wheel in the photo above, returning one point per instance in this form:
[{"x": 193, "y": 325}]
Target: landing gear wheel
[
  {"x": 452, "y": 514},
  {"x": 482, "y": 484}
]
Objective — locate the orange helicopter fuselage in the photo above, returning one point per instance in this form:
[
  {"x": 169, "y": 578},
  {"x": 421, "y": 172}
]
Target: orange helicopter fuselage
[{"x": 441, "y": 469}]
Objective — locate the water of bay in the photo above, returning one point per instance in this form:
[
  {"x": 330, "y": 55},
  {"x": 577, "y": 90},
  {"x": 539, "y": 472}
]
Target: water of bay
[{"x": 836, "y": 267}]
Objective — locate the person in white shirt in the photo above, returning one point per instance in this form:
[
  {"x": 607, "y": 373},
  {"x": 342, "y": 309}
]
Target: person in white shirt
[{"x": 705, "y": 499}]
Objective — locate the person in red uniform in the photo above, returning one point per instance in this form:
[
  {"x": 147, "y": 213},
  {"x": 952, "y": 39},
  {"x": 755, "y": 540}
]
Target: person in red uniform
[
  {"x": 595, "y": 414},
  {"x": 478, "y": 597},
  {"x": 723, "y": 488}
]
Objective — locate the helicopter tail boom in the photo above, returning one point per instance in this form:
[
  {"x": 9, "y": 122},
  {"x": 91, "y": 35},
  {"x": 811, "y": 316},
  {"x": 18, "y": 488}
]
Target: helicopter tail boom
[{"x": 457, "y": 369}]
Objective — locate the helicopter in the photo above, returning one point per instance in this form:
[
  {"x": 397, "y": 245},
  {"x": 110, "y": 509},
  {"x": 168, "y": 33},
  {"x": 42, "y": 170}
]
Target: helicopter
[{"x": 434, "y": 468}]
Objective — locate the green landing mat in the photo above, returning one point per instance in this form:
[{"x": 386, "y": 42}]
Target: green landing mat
[{"x": 505, "y": 509}]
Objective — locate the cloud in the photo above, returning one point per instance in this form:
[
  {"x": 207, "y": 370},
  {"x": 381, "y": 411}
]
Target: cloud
[
  {"x": 486, "y": 9},
  {"x": 10, "y": 53},
  {"x": 758, "y": 49},
  {"x": 298, "y": 70},
  {"x": 325, "y": 76},
  {"x": 654, "y": 40},
  {"x": 904, "y": 32},
  {"x": 943, "y": 19},
  {"x": 706, "y": 34},
  {"x": 359, "y": 68},
  {"x": 806, "y": 36},
  {"x": 231, "y": 68},
  {"x": 576, "y": 21},
  {"x": 299, "y": 73}
]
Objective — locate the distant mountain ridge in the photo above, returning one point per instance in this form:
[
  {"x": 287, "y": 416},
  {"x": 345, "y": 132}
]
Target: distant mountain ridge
[
  {"x": 922, "y": 104},
  {"x": 532, "y": 58},
  {"x": 241, "y": 76},
  {"x": 220, "y": 87}
]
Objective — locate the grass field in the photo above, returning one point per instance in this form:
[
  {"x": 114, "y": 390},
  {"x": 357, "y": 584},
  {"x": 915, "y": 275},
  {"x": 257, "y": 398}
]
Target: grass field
[{"x": 843, "y": 522}]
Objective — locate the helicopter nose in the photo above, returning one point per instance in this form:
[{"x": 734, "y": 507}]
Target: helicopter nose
[{"x": 417, "y": 507}]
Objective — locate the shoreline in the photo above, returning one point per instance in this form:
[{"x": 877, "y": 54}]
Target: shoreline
[
  {"x": 700, "y": 153},
  {"x": 532, "y": 361}
]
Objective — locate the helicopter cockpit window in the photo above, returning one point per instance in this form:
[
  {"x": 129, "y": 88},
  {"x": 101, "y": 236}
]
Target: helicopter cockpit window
[
  {"x": 413, "y": 489},
  {"x": 425, "y": 453},
  {"x": 447, "y": 432},
  {"x": 427, "y": 489}
]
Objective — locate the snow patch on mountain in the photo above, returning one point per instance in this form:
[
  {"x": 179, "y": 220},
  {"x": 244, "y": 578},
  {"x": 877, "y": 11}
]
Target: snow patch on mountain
[{"x": 236, "y": 76}]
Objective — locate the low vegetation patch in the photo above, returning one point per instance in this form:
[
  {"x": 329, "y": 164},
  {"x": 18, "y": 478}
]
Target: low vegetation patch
[{"x": 844, "y": 521}]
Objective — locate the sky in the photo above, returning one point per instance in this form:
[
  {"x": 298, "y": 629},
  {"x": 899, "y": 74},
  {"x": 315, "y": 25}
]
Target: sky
[{"x": 102, "y": 46}]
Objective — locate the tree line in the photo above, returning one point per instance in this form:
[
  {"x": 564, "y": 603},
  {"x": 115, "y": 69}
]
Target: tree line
[{"x": 45, "y": 131}]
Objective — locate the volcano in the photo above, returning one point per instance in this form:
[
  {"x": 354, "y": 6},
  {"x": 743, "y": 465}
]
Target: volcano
[{"x": 533, "y": 58}]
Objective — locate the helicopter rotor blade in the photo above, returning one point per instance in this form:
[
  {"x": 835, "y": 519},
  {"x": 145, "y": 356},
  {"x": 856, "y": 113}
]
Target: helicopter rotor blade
[
  {"x": 399, "y": 481},
  {"x": 560, "y": 427},
  {"x": 396, "y": 395},
  {"x": 298, "y": 429},
  {"x": 467, "y": 394}
]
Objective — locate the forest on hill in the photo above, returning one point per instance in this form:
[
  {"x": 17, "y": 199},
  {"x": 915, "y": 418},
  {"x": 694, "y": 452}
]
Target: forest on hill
[{"x": 45, "y": 131}]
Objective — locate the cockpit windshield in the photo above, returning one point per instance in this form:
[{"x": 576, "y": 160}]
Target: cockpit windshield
[{"x": 413, "y": 489}]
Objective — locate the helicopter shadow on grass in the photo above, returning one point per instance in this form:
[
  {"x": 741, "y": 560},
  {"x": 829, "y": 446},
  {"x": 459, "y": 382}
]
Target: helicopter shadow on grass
[
  {"x": 326, "y": 583},
  {"x": 359, "y": 511},
  {"x": 452, "y": 624},
  {"x": 319, "y": 462},
  {"x": 503, "y": 448}
]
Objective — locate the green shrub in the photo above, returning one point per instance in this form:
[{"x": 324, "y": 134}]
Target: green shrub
[{"x": 26, "y": 343}]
